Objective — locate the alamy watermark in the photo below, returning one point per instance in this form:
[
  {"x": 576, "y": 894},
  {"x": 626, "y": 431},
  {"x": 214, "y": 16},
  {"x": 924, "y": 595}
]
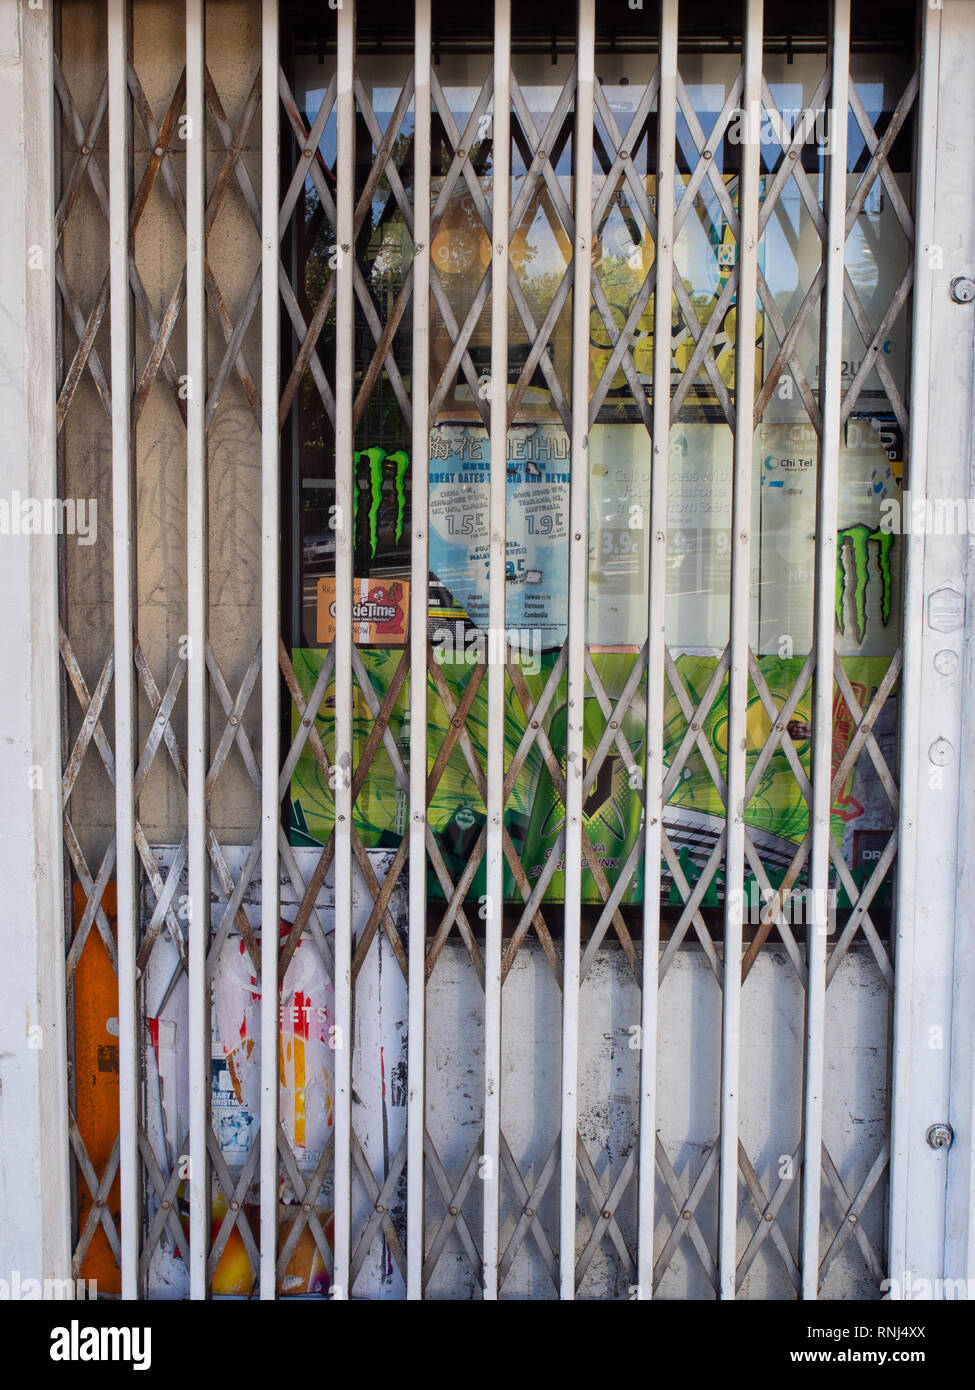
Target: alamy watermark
[
  {"x": 77, "y": 1343},
  {"x": 927, "y": 516},
  {"x": 17, "y": 1289},
  {"x": 49, "y": 516},
  {"x": 795, "y": 906},
  {"x": 474, "y": 646},
  {"x": 791, "y": 126},
  {"x": 911, "y": 1287}
]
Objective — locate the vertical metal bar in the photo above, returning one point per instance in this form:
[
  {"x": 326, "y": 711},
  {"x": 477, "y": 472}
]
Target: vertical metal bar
[
  {"x": 123, "y": 606},
  {"x": 910, "y": 680},
  {"x": 270, "y": 626},
  {"x": 831, "y": 386},
  {"x": 419, "y": 573},
  {"x": 656, "y": 635},
  {"x": 738, "y": 687},
  {"x": 196, "y": 697},
  {"x": 578, "y": 565},
  {"x": 344, "y": 384},
  {"x": 500, "y": 197}
]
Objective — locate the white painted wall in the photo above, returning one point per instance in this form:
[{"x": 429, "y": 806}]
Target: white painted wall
[{"x": 34, "y": 1196}]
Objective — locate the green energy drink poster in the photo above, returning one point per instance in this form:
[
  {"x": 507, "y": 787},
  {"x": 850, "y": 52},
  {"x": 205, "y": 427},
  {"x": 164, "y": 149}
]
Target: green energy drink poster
[{"x": 777, "y": 814}]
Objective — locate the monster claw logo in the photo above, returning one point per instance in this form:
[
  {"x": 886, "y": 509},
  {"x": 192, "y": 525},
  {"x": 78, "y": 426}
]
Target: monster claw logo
[
  {"x": 376, "y": 457},
  {"x": 855, "y": 542}
]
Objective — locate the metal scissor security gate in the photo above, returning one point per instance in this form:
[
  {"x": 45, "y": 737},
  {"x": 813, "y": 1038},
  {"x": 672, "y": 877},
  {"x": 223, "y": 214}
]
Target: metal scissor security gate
[{"x": 536, "y": 1014}]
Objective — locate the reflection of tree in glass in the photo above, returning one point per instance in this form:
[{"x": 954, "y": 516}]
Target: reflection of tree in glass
[{"x": 384, "y": 254}]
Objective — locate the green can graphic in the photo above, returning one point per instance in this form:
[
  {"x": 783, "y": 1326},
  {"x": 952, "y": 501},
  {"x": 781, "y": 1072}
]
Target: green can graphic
[{"x": 612, "y": 811}]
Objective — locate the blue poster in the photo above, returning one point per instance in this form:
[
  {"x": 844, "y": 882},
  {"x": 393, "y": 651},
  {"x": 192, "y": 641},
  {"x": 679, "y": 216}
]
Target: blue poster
[{"x": 537, "y": 556}]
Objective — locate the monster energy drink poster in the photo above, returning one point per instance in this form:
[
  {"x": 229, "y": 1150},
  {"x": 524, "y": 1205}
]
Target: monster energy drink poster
[
  {"x": 537, "y": 513},
  {"x": 777, "y": 814},
  {"x": 867, "y": 556}
]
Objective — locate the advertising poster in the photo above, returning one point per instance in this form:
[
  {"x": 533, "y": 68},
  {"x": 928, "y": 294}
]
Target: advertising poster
[
  {"x": 781, "y": 599},
  {"x": 868, "y": 557},
  {"x": 537, "y": 487},
  {"x": 380, "y": 611},
  {"x": 698, "y": 542},
  {"x": 777, "y": 815}
]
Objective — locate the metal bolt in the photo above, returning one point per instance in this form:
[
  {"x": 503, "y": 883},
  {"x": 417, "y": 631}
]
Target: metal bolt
[
  {"x": 307, "y": 723},
  {"x": 380, "y": 1208},
  {"x": 234, "y": 720},
  {"x": 614, "y": 723},
  {"x": 159, "y": 151},
  {"x": 963, "y": 289},
  {"x": 166, "y": 1205},
  {"x": 235, "y": 1206},
  {"x": 707, "y": 154},
  {"x": 529, "y": 1211},
  {"x": 685, "y": 1215},
  {"x": 308, "y": 153},
  {"x": 306, "y": 1206},
  {"x": 534, "y": 723},
  {"x": 793, "y": 154},
  {"x": 941, "y": 1136},
  {"x": 769, "y": 1216},
  {"x": 606, "y": 1213},
  {"x": 940, "y": 752},
  {"x": 86, "y": 149},
  {"x": 452, "y": 1211},
  {"x": 853, "y": 1218},
  {"x": 461, "y": 153},
  {"x": 945, "y": 662},
  {"x": 624, "y": 154}
]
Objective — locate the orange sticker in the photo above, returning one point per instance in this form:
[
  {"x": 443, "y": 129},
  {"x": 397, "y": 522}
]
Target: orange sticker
[{"x": 380, "y": 611}]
